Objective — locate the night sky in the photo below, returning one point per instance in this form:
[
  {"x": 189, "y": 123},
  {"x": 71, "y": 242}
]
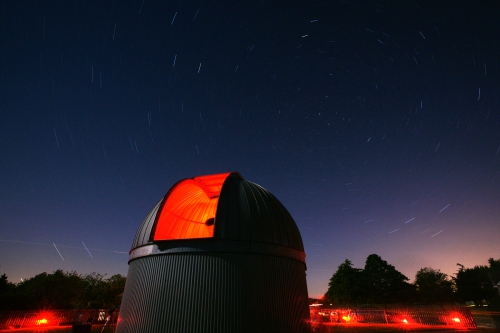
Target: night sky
[{"x": 377, "y": 124}]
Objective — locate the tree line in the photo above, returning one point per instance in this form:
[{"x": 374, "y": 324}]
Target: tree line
[
  {"x": 380, "y": 283},
  {"x": 62, "y": 290}
]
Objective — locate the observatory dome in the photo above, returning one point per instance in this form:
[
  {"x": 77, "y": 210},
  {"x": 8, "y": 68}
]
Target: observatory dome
[{"x": 216, "y": 254}]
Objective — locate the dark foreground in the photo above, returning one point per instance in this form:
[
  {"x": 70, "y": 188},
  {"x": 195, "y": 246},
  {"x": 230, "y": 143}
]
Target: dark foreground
[
  {"x": 348, "y": 328},
  {"x": 60, "y": 329},
  {"x": 487, "y": 320},
  {"x": 396, "y": 328}
]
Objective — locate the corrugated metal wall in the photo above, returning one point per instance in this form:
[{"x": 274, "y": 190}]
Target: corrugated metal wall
[{"x": 214, "y": 292}]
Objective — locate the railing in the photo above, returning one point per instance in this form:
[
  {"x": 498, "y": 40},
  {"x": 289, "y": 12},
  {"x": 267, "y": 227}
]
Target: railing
[
  {"x": 31, "y": 318},
  {"x": 433, "y": 316}
]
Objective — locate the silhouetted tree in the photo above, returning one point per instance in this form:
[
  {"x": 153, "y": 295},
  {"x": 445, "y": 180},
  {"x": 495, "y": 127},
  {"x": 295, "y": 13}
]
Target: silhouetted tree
[
  {"x": 380, "y": 283},
  {"x": 433, "y": 286},
  {"x": 6, "y": 292},
  {"x": 474, "y": 284},
  {"x": 384, "y": 284},
  {"x": 494, "y": 265},
  {"x": 61, "y": 290},
  {"x": 50, "y": 291},
  {"x": 116, "y": 285},
  {"x": 494, "y": 273},
  {"x": 377, "y": 283},
  {"x": 346, "y": 286},
  {"x": 102, "y": 293}
]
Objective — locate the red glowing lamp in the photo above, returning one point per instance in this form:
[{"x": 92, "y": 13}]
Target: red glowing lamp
[
  {"x": 188, "y": 210},
  {"x": 43, "y": 318},
  {"x": 42, "y": 321},
  {"x": 454, "y": 318}
]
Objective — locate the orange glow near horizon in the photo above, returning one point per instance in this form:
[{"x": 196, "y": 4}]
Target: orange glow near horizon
[{"x": 190, "y": 209}]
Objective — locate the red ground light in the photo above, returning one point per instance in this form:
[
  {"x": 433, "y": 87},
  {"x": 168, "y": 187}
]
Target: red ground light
[{"x": 44, "y": 319}]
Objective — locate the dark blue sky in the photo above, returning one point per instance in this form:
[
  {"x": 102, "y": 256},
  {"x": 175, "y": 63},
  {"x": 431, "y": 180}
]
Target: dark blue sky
[{"x": 376, "y": 124}]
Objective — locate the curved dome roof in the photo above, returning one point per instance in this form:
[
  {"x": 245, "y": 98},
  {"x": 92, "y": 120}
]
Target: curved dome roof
[{"x": 222, "y": 207}]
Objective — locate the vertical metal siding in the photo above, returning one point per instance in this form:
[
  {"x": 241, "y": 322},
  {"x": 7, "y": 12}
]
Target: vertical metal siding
[
  {"x": 179, "y": 293},
  {"x": 217, "y": 292}
]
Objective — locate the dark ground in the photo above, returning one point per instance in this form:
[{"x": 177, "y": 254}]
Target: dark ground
[
  {"x": 60, "y": 329},
  {"x": 394, "y": 329},
  {"x": 325, "y": 329},
  {"x": 346, "y": 329},
  {"x": 487, "y": 317},
  {"x": 487, "y": 320}
]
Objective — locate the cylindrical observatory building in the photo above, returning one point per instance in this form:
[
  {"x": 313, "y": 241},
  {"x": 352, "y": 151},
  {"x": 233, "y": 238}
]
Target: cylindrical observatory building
[{"x": 217, "y": 254}]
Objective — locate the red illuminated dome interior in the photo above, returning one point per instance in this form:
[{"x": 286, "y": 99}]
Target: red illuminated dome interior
[{"x": 189, "y": 209}]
